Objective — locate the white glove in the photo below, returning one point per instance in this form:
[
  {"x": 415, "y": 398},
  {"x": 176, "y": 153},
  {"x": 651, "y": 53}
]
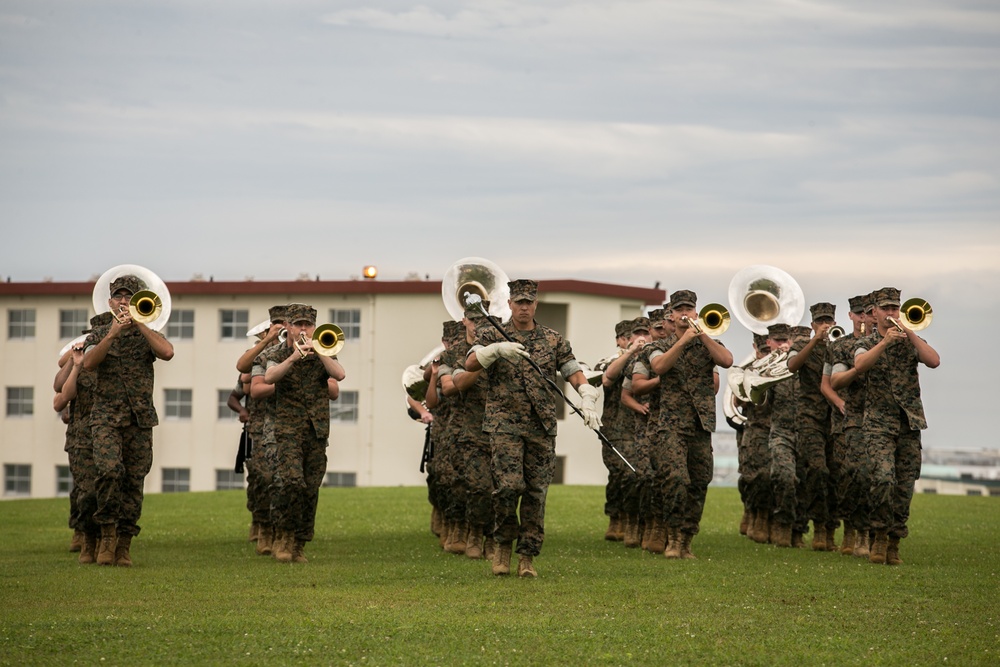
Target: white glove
[
  {"x": 588, "y": 406},
  {"x": 509, "y": 351}
]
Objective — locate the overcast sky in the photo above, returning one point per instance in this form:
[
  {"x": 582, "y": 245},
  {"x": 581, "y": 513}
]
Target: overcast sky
[{"x": 852, "y": 144}]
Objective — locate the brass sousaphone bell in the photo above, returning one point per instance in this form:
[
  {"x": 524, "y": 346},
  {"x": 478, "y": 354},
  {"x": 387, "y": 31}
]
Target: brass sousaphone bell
[
  {"x": 150, "y": 306},
  {"x": 475, "y": 275}
]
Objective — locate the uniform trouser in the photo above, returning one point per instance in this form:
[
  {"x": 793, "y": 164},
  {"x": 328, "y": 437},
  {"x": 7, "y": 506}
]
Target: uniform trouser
[
  {"x": 622, "y": 491},
  {"x": 260, "y": 476},
  {"x": 812, "y": 476},
  {"x": 835, "y": 464},
  {"x": 649, "y": 506},
  {"x": 122, "y": 459},
  {"x": 855, "y": 480},
  {"x": 81, "y": 466},
  {"x": 301, "y": 467},
  {"x": 478, "y": 481},
  {"x": 613, "y": 490},
  {"x": 450, "y": 480},
  {"x": 684, "y": 475},
  {"x": 755, "y": 471},
  {"x": 522, "y": 466},
  {"x": 895, "y": 468},
  {"x": 781, "y": 445}
]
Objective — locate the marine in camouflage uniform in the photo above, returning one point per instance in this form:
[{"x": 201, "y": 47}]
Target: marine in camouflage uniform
[
  {"x": 621, "y": 492},
  {"x": 846, "y": 425},
  {"x": 783, "y": 398},
  {"x": 755, "y": 460},
  {"x": 894, "y": 417},
  {"x": 814, "y": 444},
  {"x": 122, "y": 418},
  {"x": 260, "y": 464},
  {"x": 472, "y": 444},
  {"x": 521, "y": 421},
  {"x": 298, "y": 429},
  {"x": 686, "y": 421}
]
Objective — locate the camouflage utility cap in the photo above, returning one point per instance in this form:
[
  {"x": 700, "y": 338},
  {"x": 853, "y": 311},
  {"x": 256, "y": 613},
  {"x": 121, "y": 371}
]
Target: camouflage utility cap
[
  {"x": 656, "y": 315},
  {"x": 779, "y": 331},
  {"x": 300, "y": 312},
  {"x": 277, "y": 313},
  {"x": 684, "y": 297},
  {"x": 760, "y": 342},
  {"x": 802, "y": 332},
  {"x": 523, "y": 290},
  {"x": 822, "y": 309},
  {"x": 640, "y": 324},
  {"x": 127, "y": 282},
  {"x": 623, "y": 328},
  {"x": 857, "y": 304},
  {"x": 869, "y": 301},
  {"x": 887, "y": 296}
]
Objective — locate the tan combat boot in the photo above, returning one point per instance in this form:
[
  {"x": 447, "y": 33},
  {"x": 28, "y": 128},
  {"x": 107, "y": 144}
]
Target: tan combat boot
[
  {"x": 759, "y": 529},
  {"x": 106, "y": 548},
  {"x": 781, "y": 535},
  {"x": 501, "y": 559},
  {"x": 489, "y": 548},
  {"x": 614, "y": 528},
  {"x": 264, "y": 541},
  {"x": 819, "y": 537},
  {"x": 281, "y": 547},
  {"x": 525, "y": 568},
  {"x": 456, "y": 539},
  {"x": 298, "y": 551},
  {"x": 847, "y": 546},
  {"x": 122, "y": 557},
  {"x": 647, "y": 533},
  {"x": 880, "y": 546},
  {"x": 254, "y": 532},
  {"x": 745, "y": 522},
  {"x": 632, "y": 539},
  {"x": 474, "y": 543},
  {"x": 76, "y": 544},
  {"x": 673, "y": 548},
  {"x": 437, "y": 521},
  {"x": 685, "y": 541},
  {"x": 657, "y": 538},
  {"x": 892, "y": 552},
  {"x": 861, "y": 544},
  {"x": 88, "y": 554}
]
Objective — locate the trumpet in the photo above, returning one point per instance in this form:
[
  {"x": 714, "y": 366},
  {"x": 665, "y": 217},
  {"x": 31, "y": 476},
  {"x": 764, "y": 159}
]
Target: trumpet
[
  {"x": 713, "y": 319},
  {"x": 835, "y": 333}
]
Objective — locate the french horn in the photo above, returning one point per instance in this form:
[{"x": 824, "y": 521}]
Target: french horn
[
  {"x": 151, "y": 306},
  {"x": 478, "y": 276},
  {"x": 761, "y": 295}
]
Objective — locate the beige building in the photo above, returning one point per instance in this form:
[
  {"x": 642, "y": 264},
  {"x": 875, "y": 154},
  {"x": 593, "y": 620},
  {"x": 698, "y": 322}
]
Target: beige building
[{"x": 389, "y": 325}]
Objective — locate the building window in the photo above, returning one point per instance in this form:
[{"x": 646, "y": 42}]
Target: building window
[
  {"x": 73, "y": 322},
  {"x": 341, "y": 479},
  {"x": 20, "y": 401},
  {"x": 227, "y": 480},
  {"x": 234, "y": 324},
  {"x": 21, "y": 324},
  {"x": 64, "y": 481},
  {"x": 345, "y": 408},
  {"x": 349, "y": 320},
  {"x": 224, "y": 412},
  {"x": 180, "y": 324},
  {"x": 177, "y": 403},
  {"x": 176, "y": 480},
  {"x": 17, "y": 479}
]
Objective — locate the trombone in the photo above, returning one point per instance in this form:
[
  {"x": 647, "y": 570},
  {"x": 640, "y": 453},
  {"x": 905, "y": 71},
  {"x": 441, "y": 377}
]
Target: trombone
[
  {"x": 916, "y": 313},
  {"x": 144, "y": 307},
  {"x": 327, "y": 340},
  {"x": 713, "y": 319}
]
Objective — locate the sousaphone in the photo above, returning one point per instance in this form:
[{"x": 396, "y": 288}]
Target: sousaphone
[
  {"x": 475, "y": 275},
  {"x": 150, "y": 306},
  {"x": 762, "y": 295}
]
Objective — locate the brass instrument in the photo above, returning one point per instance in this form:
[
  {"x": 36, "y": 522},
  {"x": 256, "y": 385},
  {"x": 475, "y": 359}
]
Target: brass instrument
[
  {"x": 479, "y": 277},
  {"x": 283, "y": 335},
  {"x": 835, "y": 333},
  {"x": 761, "y": 295},
  {"x": 303, "y": 352},
  {"x": 894, "y": 322},
  {"x": 150, "y": 306},
  {"x": 713, "y": 319},
  {"x": 328, "y": 340},
  {"x": 917, "y": 313}
]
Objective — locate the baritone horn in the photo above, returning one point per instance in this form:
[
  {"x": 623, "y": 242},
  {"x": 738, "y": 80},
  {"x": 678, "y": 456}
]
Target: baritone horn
[
  {"x": 713, "y": 319},
  {"x": 917, "y": 313},
  {"x": 328, "y": 340}
]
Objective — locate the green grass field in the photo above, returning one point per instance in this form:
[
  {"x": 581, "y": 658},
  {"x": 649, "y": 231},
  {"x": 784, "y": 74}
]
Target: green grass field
[{"x": 378, "y": 590}]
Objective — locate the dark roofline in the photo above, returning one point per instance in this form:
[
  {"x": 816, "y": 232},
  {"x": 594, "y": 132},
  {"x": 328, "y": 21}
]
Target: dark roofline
[{"x": 248, "y": 287}]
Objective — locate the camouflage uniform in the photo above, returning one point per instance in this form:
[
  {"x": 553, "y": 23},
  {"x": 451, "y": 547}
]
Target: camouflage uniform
[
  {"x": 453, "y": 445},
  {"x": 685, "y": 423},
  {"x": 647, "y": 447},
  {"x": 442, "y": 478},
  {"x": 783, "y": 398},
  {"x": 296, "y": 433},
  {"x": 854, "y": 483},
  {"x": 122, "y": 419},
  {"x": 893, "y": 419},
  {"x": 521, "y": 422}
]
